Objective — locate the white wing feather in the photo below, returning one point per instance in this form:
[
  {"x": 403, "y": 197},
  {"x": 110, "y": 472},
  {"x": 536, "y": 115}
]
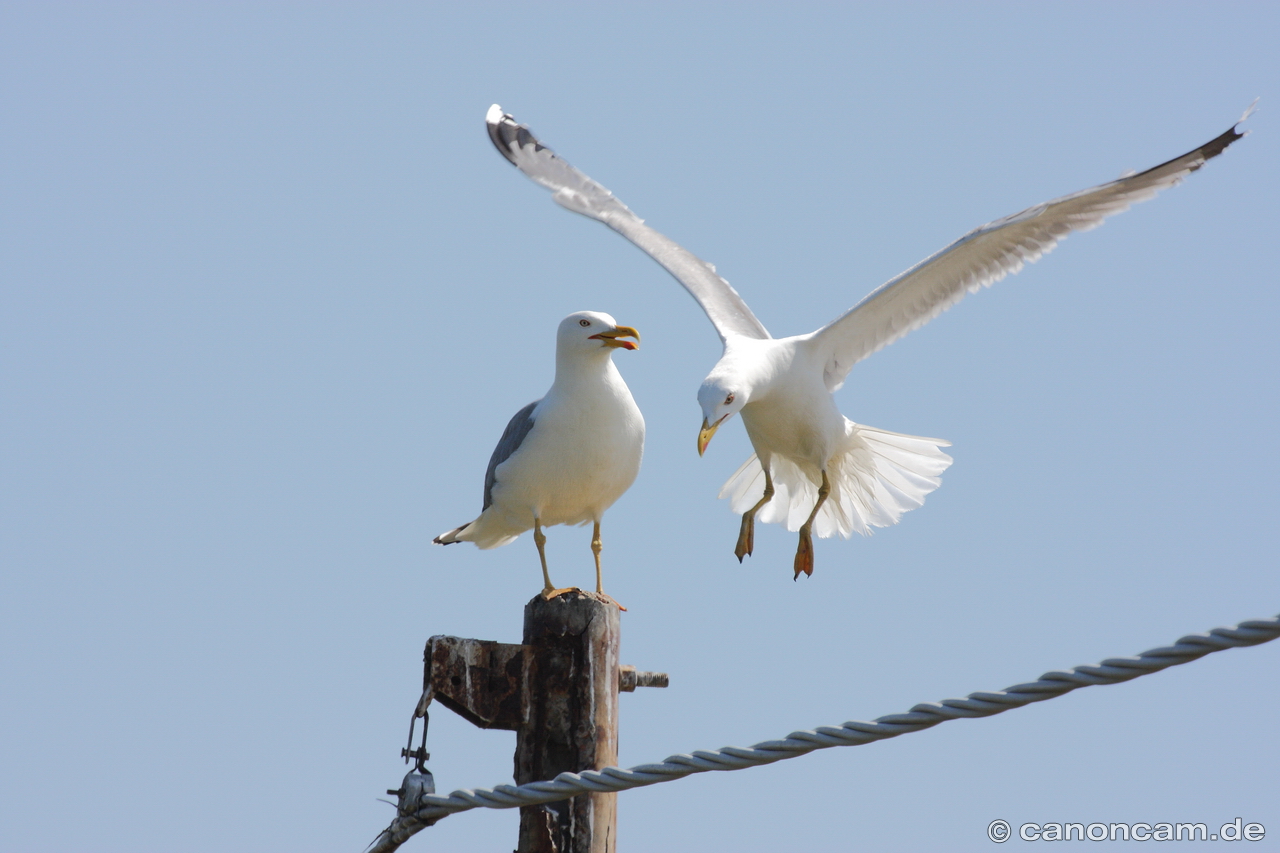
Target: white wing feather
[
  {"x": 579, "y": 193},
  {"x": 986, "y": 255}
]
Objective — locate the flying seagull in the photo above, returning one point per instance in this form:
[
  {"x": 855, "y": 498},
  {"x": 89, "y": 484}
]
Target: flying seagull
[
  {"x": 813, "y": 468},
  {"x": 566, "y": 458}
]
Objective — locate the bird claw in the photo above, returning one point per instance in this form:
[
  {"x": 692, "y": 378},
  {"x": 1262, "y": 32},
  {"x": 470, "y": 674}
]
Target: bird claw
[
  {"x": 601, "y": 595},
  {"x": 551, "y": 592},
  {"x": 804, "y": 557}
]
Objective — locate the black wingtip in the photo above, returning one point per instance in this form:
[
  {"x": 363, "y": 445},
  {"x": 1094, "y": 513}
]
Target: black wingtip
[
  {"x": 1210, "y": 149},
  {"x": 509, "y": 137},
  {"x": 1216, "y": 146},
  {"x": 499, "y": 125}
]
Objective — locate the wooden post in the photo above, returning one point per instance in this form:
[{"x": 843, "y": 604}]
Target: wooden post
[
  {"x": 558, "y": 691},
  {"x": 572, "y": 722}
]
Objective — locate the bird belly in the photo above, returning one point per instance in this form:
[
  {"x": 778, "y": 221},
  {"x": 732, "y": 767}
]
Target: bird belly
[
  {"x": 796, "y": 430},
  {"x": 577, "y": 468}
]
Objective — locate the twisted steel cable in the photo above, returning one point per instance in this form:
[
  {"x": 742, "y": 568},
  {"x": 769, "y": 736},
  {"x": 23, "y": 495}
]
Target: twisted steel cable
[{"x": 429, "y": 808}]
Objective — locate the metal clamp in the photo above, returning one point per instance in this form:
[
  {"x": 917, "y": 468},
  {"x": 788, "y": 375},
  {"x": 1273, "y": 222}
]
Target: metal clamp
[{"x": 419, "y": 755}]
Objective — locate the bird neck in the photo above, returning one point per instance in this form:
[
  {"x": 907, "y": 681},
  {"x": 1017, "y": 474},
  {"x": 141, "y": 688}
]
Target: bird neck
[{"x": 578, "y": 366}]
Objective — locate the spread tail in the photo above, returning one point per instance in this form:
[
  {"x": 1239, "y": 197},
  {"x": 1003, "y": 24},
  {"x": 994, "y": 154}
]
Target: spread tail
[{"x": 875, "y": 477}]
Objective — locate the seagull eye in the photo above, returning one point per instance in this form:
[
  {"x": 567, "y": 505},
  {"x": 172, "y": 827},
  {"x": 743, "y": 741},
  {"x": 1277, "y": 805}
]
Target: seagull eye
[
  {"x": 728, "y": 400},
  {"x": 584, "y": 323}
]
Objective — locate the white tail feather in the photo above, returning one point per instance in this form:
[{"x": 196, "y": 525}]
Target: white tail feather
[
  {"x": 875, "y": 477},
  {"x": 486, "y": 532}
]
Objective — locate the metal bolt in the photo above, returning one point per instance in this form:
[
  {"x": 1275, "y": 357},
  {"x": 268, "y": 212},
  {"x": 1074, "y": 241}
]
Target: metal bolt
[{"x": 629, "y": 678}]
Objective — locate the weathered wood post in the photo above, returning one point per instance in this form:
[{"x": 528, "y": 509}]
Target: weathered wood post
[
  {"x": 558, "y": 691},
  {"x": 573, "y": 720}
]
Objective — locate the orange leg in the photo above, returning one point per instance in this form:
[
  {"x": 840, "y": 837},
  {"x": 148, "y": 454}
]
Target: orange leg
[
  {"x": 747, "y": 535},
  {"x": 596, "y": 548},
  {"x": 548, "y": 590},
  {"x": 804, "y": 553}
]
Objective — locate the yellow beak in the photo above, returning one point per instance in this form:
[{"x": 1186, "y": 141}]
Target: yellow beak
[
  {"x": 704, "y": 437},
  {"x": 611, "y": 339}
]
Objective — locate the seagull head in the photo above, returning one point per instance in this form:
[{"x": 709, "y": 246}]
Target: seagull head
[
  {"x": 721, "y": 397},
  {"x": 588, "y": 331}
]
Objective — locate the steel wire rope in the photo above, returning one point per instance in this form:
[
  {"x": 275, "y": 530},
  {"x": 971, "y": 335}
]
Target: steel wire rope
[{"x": 430, "y": 808}]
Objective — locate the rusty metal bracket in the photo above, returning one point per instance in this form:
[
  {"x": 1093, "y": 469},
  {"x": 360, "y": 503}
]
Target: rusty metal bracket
[
  {"x": 482, "y": 681},
  {"x": 487, "y": 682}
]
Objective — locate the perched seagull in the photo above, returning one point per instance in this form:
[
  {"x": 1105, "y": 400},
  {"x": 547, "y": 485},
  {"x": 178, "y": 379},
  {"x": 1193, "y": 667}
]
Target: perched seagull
[
  {"x": 567, "y": 457},
  {"x": 814, "y": 468}
]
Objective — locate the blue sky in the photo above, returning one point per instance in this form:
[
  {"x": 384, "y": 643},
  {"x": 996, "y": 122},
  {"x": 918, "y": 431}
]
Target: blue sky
[{"x": 268, "y": 297}]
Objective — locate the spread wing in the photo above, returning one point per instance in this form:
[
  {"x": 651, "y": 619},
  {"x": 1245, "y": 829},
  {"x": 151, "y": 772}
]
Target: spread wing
[
  {"x": 577, "y": 192},
  {"x": 986, "y": 255}
]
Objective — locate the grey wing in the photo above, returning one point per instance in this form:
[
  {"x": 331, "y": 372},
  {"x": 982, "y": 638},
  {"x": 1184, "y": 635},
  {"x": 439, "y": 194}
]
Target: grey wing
[
  {"x": 986, "y": 255},
  {"x": 517, "y": 428},
  {"x": 579, "y": 193}
]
